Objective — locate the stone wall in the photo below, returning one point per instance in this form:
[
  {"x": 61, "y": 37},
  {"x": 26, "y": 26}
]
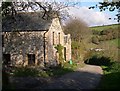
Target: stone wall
[
  {"x": 67, "y": 45},
  {"x": 19, "y": 44},
  {"x": 57, "y": 36},
  {"x": 54, "y": 36}
]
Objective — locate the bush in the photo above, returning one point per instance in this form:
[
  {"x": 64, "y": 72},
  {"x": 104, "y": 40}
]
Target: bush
[
  {"x": 95, "y": 32},
  {"x": 95, "y": 60},
  {"x": 95, "y": 40},
  {"x": 50, "y": 72},
  {"x": 59, "y": 71},
  {"x": 111, "y": 79},
  {"x": 103, "y": 32},
  {"x": 25, "y": 71},
  {"x": 115, "y": 67},
  {"x": 59, "y": 48},
  {"x": 102, "y": 38}
]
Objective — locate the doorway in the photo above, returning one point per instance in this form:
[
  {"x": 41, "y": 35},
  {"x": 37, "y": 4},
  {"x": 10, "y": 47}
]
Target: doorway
[{"x": 65, "y": 53}]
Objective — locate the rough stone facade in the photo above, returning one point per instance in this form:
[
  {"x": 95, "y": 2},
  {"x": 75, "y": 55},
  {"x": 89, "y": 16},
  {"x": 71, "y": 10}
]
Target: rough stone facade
[{"x": 38, "y": 47}]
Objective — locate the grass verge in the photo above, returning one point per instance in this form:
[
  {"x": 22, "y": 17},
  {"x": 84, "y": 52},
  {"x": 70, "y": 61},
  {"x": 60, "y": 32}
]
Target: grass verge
[
  {"x": 50, "y": 72},
  {"x": 111, "y": 77}
]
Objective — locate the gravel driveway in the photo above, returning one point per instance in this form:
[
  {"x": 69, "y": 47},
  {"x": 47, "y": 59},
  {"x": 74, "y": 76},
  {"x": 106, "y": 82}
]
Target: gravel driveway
[{"x": 87, "y": 77}]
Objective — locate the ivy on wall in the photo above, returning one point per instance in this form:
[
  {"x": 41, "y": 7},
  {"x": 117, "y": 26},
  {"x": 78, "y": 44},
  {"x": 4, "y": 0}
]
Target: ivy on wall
[{"x": 59, "y": 49}]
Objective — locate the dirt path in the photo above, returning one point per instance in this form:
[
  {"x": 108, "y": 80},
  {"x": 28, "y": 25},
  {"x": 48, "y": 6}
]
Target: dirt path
[{"x": 87, "y": 77}]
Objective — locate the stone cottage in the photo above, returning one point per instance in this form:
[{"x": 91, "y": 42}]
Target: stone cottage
[{"x": 30, "y": 40}]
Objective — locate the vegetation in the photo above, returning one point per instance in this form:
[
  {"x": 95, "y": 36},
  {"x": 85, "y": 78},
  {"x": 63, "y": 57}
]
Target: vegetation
[
  {"x": 59, "y": 48},
  {"x": 107, "y": 39},
  {"x": 104, "y": 27},
  {"x": 80, "y": 29},
  {"x": 111, "y": 70},
  {"x": 105, "y": 34},
  {"x": 80, "y": 35},
  {"x": 50, "y": 72},
  {"x": 110, "y": 79},
  {"x": 108, "y": 58}
]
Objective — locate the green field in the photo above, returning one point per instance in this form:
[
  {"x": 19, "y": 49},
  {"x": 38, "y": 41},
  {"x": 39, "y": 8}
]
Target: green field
[
  {"x": 114, "y": 42},
  {"x": 100, "y": 28}
]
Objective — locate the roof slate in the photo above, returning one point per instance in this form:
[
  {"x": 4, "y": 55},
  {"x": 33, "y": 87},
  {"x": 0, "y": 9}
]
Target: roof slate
[{"x": 30, "y": 21}]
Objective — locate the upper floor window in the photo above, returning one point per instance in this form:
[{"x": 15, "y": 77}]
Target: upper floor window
[
  {"x": 65, "y": 39},
  {"x": 59, "y": 37},
  {"x": 53, "y": 38}
]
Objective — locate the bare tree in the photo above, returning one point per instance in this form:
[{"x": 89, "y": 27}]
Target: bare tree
[
  {"x": 48, "y": 8},
  {"x": 78, "y": 29}
]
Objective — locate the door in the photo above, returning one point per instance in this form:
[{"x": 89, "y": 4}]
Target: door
[{"x": 31, "y": 59}]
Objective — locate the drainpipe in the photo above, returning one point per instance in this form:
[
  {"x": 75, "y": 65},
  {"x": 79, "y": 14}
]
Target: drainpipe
[{"x": 44, "y": 47}]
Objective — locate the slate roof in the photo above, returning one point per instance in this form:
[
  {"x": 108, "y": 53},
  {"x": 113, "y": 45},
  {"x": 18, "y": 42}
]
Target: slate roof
[{"x": 30, "y": 21}]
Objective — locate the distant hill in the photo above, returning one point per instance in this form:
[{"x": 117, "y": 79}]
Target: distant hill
[{"x": 105, "y": 27}]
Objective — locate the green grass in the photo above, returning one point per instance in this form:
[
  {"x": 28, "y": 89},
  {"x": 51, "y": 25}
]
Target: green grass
[
  {"x": 111, "y": 77},
  {"x": 114, "y": 42},
  {"x": 100, "y": 28},
  {"x": 58, "y": 72},
  {"x": 25, "y": 71},
  {"x": 51, "y": 72}
]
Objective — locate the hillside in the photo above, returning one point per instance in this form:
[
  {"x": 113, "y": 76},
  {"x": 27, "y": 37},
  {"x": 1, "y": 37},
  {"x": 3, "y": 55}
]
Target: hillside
[
  {"x": 105, "y": 27},
  {"x": 107, "y": 37}
]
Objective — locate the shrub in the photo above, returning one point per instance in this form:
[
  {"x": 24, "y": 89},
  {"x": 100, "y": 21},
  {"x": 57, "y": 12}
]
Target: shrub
[
  {"x": 102, "y": 38},
  {"x": 111, "y": 79},
  {"x": 95, "y": 40},
  {"x": 25, "y": 71},
  {"x": 95, "y": 60},
  {"x": 103, "y": 32},
  {"x": 95, "y": 32},
  {"x": 59, "y": 49},
  {"x": 115, "y": 67}
]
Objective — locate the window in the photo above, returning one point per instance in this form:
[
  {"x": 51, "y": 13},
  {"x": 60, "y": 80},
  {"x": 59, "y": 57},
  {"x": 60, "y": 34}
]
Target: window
[
  {"x": 65, "y": 39},
  {"x": 65, "y": 53},
  {"x": 59, "y": 37},
  {"x": 31, "y": 59},
  {"x": 2, "y": 40},
  {"x": 6, "y": 59},
  {"x": 53, "y": 38}
]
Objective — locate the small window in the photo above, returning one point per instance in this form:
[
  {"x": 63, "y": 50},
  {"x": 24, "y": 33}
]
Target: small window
[
  {"x": 31, "y": 59},
  {"x": 2, "y": 40},
  {"x": 6, "y": 59},
  {"x": 53, "y": 37},
  {"x": 59, "y": 37},
  {"x": 65, "y": 39}
]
